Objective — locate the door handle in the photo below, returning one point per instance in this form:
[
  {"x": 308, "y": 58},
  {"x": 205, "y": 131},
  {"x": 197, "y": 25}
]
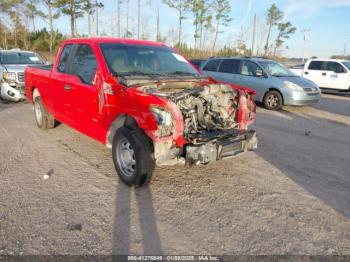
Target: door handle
[
  {"x": 67, "y": 87},
  {"x": 324, "y": 74},
  {"x": 306, "y": 73}
]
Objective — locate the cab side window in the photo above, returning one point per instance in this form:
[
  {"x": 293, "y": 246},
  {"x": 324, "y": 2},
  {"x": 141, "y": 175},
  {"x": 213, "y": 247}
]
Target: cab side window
[
  {"x": 84, "y": 64},
  {"x": 63, "y": 62},
  {"x": 315, "y": 65},
  {"x": 249, "y": 68},
  {"x": 212, "y": 65},
  {"x": 335, "y": 67}
]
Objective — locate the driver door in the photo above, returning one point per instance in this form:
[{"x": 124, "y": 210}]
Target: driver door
[
  {"x": 83, "y": 91},
  {"x": 249, "y": 78},
  {"x": 336, "y": 76}
]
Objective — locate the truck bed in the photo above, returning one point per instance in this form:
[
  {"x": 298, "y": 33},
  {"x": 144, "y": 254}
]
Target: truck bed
[
  {"x": 43, "y": 67},
  {"x": 37, "y": 76}
]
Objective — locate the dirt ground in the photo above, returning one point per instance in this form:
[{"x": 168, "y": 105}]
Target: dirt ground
[{"x": 291, "y": 196}]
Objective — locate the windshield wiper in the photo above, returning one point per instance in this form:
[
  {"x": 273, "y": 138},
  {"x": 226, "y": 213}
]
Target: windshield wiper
[
  {"x": 149, "y": 74},
  {"x": 180, "y": 73},
  {"x": 141, "y": 73}
]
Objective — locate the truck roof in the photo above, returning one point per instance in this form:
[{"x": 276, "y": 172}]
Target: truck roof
[
  {"x": 254, "y": 58},
  {"x": 99, "y": 40},
  {"x": 328, "y": 59},
  {"x": 16, "y": 51}
]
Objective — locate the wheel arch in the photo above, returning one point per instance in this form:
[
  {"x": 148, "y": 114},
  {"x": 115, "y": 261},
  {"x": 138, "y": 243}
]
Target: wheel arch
[
  {"x": 35, "y": 93},
  {"x": 273, "y": 89},
  {"x": 120, "y": 121}
]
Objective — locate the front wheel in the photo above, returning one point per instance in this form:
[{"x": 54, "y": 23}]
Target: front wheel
[
  {"x": 273, "y": 100},
  {"x": 133, "y": 156},
  {"x": 44, "y": 120}
]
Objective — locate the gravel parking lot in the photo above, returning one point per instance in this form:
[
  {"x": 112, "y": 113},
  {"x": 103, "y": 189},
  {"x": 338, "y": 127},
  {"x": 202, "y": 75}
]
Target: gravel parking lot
[{"x": 291, "y": 196}]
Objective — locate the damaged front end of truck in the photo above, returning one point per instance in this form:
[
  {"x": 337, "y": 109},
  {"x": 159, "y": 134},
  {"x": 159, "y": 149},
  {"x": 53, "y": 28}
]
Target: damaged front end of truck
[{"x": 200, "y": 121}]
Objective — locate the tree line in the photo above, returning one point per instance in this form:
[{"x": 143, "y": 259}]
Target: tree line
[{"x": 210, "y": 20}]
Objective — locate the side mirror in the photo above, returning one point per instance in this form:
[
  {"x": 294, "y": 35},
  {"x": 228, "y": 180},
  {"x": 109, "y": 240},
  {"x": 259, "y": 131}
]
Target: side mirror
[
  {"x": 48, "y": 63},
  {"x": 259, "y": 73},
  {"x": 340, "y": 71}
]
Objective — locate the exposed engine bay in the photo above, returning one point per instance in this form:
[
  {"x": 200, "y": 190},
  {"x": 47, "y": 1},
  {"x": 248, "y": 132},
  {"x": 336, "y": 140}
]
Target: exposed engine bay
[
  {"x": 210, "y": 108},
  {"x": 210, "y": 122},
  {"x": 204, "y": 109}
]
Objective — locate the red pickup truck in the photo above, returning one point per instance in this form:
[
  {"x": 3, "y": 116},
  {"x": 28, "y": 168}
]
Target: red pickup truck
[{"x": 144, "y": 100}]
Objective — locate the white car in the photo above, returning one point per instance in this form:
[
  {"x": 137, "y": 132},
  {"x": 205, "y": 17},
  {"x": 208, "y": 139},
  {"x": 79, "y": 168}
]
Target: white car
[{"x": 326, "y": 73}]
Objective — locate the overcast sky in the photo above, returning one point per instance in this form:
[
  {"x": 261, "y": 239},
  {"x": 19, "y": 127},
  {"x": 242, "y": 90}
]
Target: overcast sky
[{"x": 329, "y": 21}]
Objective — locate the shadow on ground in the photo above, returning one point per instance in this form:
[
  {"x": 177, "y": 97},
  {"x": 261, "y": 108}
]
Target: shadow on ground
[
  {"x": 312, "y": 151},
  {"x": 122, "y": 232}
]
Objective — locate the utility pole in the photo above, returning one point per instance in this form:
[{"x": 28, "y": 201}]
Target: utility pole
[
  {"x": 254, "y": 32},
  {"x": 344, "y": 53},
  {"x": 304, "y": 41}
]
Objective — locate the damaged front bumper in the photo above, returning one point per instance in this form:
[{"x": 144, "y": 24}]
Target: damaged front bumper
[
  {"x": 11, "y": 93},
  {"x": 209, "y": 148}
]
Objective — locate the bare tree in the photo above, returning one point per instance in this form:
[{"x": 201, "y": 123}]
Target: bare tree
[
  {"x": 52, "y": 13},
  {"x": 119, "y": 3},
  {"x": 138, "y": 18},
  {"x": 182, "y": 6},
  {"x": 202, "y": 19},
  {"x": 158, "y": 26},
  {"x": 31, "y": 11},
  {"x": 127, "y": 32}
]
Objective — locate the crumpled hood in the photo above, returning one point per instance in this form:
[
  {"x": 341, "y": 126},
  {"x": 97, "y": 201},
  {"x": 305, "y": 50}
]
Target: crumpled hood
[{"x": 300, "y": 81}]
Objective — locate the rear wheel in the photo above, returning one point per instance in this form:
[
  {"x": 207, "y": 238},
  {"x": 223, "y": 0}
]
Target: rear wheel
[
  {"x": 133, "y": 156},
  {"x": 273, "y": 100},
  {"x": 44, "y": 120}
]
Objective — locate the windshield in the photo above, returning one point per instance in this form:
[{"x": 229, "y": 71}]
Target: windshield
[
  {"x": 347, "y": 64},
  {"x": 276, "y": 69},
  {"x": 128, "y": 60},
  {"x": 20, "y": 58}
]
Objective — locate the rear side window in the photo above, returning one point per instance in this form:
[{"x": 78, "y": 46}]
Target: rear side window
[
  {"x": 229, "y": 66},
  {"x": 335, "y": 67},
  {"x": 63, "y": 63},
  {"x": 212, "y": 65},
  {"x": 315, "y": 65},
  {"x": 84, "y": 64}
]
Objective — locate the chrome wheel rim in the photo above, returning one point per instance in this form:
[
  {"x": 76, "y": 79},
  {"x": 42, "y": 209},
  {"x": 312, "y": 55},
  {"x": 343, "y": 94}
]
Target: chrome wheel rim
[
  {"x": 272, "y": 101},
  {"x": 126, "y": 157},
  {"x": 38, "y": 113}
]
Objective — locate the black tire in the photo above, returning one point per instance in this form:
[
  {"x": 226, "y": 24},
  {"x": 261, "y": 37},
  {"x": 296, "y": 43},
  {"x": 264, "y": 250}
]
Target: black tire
[
  {"x": 133, "y": 156},
  {"x": 273, "y": 100},
  {"x": 43, "y": 119}
]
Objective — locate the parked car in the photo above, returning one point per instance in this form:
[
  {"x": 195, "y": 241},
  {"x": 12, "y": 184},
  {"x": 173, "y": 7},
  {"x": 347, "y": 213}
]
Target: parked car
[
  {"x": 12, "y": 66},
  {"x": 273, "y": 83},
  {"x": 144, "y": 100},
  {"x": 197, "y": 62},
  {"x": 327, "y": 73}
]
